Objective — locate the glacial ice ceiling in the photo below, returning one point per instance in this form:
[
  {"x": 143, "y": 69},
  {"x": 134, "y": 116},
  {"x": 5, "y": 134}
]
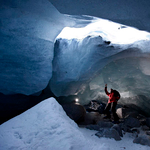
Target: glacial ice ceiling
[
  {"x": 87, "y": 58},
  {"x": 78, "y": 54}
]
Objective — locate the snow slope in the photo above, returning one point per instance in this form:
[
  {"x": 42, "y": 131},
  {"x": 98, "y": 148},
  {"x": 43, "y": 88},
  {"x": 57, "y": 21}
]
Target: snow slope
[{"x": 44, "y": 127}]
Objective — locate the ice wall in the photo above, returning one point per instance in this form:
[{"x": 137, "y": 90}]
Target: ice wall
[
  {"x": 85, "y": 54},
  {"x": 87, "y": 58},
  {"x": 81, "y": 54},
  {"x": 27, "y": 33}
]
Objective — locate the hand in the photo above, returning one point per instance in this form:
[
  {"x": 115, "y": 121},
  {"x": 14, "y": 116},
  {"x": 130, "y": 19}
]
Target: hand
[{"x": 105, "y": 85}]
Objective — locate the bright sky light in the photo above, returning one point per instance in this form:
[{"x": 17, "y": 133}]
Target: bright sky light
[{"x": 108, "y": 30}]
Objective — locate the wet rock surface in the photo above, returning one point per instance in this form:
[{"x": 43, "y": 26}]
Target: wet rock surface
[
  {"x": 143, "y": 140},
  {"x": 130, "y": 121},
  {"x": 75, "y": 111},
  {"x": 95, "y": 106},
  {"x": 109, "y": 133},
  {"x": 148, "y": 122}
]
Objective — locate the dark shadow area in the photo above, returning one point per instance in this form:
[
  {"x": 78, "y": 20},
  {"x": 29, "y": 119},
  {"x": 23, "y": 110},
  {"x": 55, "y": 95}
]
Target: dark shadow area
[{"x": 13, "y": 105}]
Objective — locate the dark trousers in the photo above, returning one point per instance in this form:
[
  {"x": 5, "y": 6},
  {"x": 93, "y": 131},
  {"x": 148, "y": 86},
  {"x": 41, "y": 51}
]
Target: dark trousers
[{"x": 112, "y": 107}]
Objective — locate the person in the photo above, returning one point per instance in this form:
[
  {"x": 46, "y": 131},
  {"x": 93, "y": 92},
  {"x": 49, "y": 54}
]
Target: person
[{"x": 114, "y": 96}]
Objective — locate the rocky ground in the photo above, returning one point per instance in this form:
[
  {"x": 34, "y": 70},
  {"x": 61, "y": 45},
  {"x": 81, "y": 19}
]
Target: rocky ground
[{"x": 130, "y": 120}]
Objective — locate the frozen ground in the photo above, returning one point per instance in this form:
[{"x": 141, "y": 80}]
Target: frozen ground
[
  {"x": 47, "y": 127},
  {"x": 97, "y": 143}
]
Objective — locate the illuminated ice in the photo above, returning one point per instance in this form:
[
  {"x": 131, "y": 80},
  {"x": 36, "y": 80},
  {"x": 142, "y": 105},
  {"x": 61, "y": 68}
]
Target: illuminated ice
[{"x": 80, "y": 57}]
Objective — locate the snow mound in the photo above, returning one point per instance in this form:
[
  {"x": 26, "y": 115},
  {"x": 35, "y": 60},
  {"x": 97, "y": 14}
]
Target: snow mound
[{"x": 45, "y": 126}]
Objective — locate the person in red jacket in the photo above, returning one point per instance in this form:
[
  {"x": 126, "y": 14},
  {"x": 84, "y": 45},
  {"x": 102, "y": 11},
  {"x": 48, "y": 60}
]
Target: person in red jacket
[{"x": 111, "y": 105}]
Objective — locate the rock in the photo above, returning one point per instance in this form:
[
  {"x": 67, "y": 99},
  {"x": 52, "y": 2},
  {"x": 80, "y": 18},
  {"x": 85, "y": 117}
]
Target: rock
[
  {"x": 124, "y": 127},
  {"x": 148, "y": 132},
  {"x": 101, "y": 108},
  {"x": 148, "y": 122},
  {"x": 142, "y": 121},
  {"x": 100, "y": 125},
  {"x": 118, "y": 129},
  {"x": 100, "y": 133},
  {"x": 119, "y": 112},
  {"x": 145, "y": 128},
  {"x": 75, "y": 111},
  {"x": 95, "y": 106},
  {"x": 103, "y": 124},
  {"x": 93, "y": 127},
  {"x": 125, "y": 112},
  {"x": 135, "y": 132},
  {"x": 91, "y": 118},
  {"x": 132, "y": 122},
  {"x": 144, "y": 140},
  {"x": 109, "y": 133}
]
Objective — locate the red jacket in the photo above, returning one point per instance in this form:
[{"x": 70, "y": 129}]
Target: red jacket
[{"x": 112, "y": 98}]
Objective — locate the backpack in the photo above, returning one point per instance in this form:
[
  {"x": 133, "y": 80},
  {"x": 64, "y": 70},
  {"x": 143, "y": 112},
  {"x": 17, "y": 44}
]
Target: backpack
[{"x": 116, "y": 94}]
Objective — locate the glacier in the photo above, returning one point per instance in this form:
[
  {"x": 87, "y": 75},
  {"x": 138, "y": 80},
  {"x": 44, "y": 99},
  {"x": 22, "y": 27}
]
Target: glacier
[
  {"x": 80, "y": 54},
  {"x": 75, "y": 54},
  {"x": 105, "y": 52},
  {"x": 27, "y": 41}
]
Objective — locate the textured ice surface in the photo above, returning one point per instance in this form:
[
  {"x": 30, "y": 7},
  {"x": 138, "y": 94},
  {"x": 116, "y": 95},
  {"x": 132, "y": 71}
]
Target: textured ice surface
[
  {"x": 82, "y": 53},
  {"x": 105, "y": 52},
  {"x": 27, "y": 33}
]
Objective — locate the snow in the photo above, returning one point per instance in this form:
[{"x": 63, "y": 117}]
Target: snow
[
  {"x": 111, "y": 144},
  {"x": 46, "y": 126},
  {"x": 108, "y": 30}
]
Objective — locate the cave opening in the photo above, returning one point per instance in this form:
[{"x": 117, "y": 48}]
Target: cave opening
[{"x": 100, "y": 52}]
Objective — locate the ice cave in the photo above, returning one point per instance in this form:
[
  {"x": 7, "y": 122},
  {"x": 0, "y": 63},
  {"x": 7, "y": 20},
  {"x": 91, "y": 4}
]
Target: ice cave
[{"x": 70, "y": 48}]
